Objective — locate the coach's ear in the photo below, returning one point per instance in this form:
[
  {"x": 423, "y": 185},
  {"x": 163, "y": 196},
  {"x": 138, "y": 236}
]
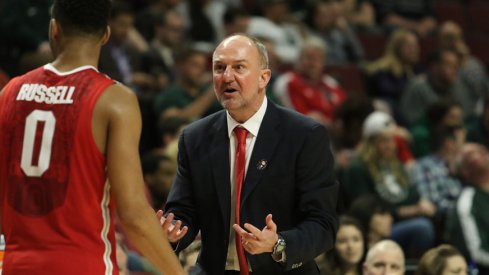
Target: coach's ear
[
  {"x": 265, "y": 75},
  {"x": 106, "y": 35}
]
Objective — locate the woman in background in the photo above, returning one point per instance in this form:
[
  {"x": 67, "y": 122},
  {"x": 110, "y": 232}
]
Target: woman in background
[
  {"x": 378, "y": 170},
  {"x": 442, "y": 260},
  {"x": 346, "y": 258},
  {"x": 388, "y": 75}
]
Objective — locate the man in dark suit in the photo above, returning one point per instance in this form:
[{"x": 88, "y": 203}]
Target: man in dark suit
[{"x": 287, "y": 198}]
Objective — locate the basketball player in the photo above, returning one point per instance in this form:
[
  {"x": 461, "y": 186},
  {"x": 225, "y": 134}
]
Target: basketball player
[{"x": 65, "y": 128}]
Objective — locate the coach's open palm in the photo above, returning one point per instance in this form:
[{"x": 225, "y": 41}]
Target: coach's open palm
[
  {"x": 173, "y": 228},
  {"x": 257, "y": 241}
]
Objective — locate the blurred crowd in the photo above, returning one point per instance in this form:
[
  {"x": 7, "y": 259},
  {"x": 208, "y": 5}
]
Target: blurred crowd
[{"x": 400, "y": 84}]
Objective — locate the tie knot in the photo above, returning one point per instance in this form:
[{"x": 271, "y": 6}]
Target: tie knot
[{"x": 241, "y": 134}]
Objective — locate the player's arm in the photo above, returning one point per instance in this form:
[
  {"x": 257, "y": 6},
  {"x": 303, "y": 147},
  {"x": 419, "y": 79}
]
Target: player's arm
[{"x": 125, "y": 176}]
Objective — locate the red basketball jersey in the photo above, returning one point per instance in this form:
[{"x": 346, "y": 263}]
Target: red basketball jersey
[{"x": 57, "y": 212}]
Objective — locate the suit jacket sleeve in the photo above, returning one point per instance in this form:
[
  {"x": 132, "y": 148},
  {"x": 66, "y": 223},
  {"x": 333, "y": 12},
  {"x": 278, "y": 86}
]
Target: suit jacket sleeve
[{"x": 317, "y": 197}]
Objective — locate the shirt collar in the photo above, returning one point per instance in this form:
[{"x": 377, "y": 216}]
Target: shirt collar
[
  {"x": 252, "y": 124},
  {"x": 53, "y": 69}
]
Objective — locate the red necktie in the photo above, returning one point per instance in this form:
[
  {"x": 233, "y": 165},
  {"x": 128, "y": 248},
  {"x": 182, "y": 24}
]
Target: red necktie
[{"x": 239, "y": 169}]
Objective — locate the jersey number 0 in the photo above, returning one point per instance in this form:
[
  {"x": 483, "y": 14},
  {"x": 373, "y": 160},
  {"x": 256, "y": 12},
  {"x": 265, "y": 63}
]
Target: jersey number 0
[{"x": 44, "y": 157}]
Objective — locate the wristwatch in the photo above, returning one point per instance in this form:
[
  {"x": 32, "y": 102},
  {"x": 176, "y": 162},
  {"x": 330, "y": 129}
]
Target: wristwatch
[{"x": 278, "y": 253}]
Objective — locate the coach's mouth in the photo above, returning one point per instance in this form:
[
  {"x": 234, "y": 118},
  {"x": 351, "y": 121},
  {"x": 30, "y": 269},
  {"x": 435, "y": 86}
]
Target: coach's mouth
[{"x": 230, "y": 90}]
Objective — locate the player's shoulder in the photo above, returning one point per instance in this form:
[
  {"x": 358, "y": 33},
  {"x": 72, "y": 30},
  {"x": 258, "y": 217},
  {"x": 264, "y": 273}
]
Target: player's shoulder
[
  {"x": 117, "y": 97},
  {"x": 20, "y": 78},
  {"x": 11, "y": 83},
  {"x": 119, "y": 92}
]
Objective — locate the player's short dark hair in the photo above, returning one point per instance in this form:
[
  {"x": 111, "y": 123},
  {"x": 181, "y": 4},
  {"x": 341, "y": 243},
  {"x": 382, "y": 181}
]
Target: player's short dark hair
[{"x": 82, "y": 16}]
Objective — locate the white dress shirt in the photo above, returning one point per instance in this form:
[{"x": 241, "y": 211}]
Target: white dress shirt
[{"x": 253, "y": 126}]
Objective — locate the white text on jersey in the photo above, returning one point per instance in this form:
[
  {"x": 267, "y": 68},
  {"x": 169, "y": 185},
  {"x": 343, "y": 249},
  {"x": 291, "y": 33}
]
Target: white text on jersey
[{"x": 50, "y": 95}]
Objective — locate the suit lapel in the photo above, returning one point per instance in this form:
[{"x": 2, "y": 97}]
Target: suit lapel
[
  {"x": 265, "y": 145},
  {"x": 219, "y": 160}
]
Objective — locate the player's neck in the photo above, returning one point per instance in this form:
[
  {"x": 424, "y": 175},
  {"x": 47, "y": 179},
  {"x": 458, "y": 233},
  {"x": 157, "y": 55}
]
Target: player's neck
[{"x": 76, "y": 55}]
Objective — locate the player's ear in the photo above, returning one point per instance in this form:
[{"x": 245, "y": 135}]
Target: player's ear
[
  {"x": 53, "y": 29},
  {"x": 106, "y": 35}
]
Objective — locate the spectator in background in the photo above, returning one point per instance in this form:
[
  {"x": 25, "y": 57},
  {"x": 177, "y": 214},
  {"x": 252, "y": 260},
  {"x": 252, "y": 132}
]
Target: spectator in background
[
  {"x": 360, "y": 14},
  {"x": 478, "y": 128},
  {"x": 441, "y": 260},
  {"x": 346, "y": 134},
  {"x": 146, "y": 18},
  {"x": 326, "y": 19},
  {"x": 388, "y": 75},
  {"x": 169, "y": 129},
  {"x": 118, "y": 59},
  {"x": 191, "y": 95},
  {"x": 442, "y": 112},
  {"x": 434, "y": 174},
  {"x": 441, "y": 82},
  {"x": 468, "y": 223},
  {"x": 346, "y": 129},
  {"x": 159, "y": 172},
  {"x": 374, "y": 216},
  {"x": 378, "y": 170},
  {"x": 308, "y": 89},
  {"x": 414, "y": 15},
  {"x": 385, "y": 257},
  {"x": 472, "y": 71},
  {"x": 23, "y": 29},
  {"x": 346, "y": 258},
  {"x": 401, "y": 135},
  {"x": 168, "y": 38},
  {"x": 121, "y": 254},
  {"x": 203, "y": 22},
  {"x": 278, "y": 25},
  {"x": 235, "y": 21}
]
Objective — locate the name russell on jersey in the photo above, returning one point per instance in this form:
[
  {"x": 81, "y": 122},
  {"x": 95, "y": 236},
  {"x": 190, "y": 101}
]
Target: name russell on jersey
[{"x": 42, "y": 94}]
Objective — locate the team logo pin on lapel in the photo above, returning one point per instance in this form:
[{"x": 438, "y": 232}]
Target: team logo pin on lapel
[{"x": 261, "y": 165}]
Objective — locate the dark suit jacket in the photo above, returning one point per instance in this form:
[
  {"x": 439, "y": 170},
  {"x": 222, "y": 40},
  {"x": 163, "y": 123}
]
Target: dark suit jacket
[{"x": 297, "y": 186}]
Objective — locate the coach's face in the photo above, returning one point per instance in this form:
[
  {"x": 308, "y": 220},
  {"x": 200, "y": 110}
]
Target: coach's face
[{"x": 239, "y": 77}]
